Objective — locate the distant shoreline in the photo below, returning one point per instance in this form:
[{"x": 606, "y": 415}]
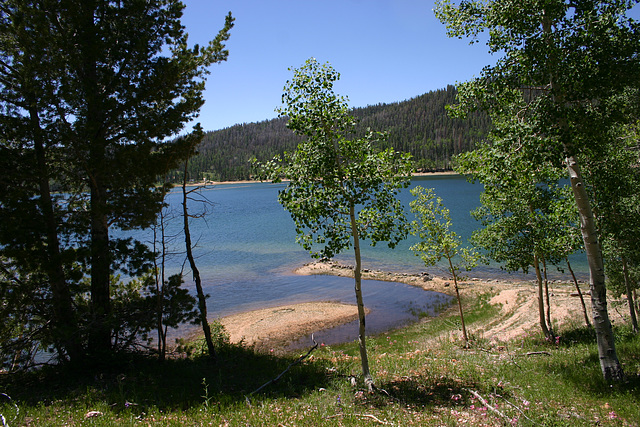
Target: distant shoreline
[{"x": 214, "y": 183}]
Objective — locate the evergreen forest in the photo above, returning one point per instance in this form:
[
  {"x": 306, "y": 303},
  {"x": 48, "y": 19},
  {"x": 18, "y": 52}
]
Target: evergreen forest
[{"x": 419, "y": 126}]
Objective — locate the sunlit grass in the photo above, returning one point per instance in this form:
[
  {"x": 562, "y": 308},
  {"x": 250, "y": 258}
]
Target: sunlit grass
[{"x": 424, "y": 374}]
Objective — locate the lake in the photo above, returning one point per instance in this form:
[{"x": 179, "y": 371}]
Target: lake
[{"x": 246, "y": 253}]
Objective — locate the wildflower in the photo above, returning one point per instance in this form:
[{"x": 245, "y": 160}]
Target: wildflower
[{"x": 613, "y": 415}]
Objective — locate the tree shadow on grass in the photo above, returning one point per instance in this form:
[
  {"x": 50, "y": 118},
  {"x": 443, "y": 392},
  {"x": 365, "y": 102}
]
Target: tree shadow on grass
[
  {"x": 585, "y": 371},
  {"x": 578, "y": 335},
  {"x": 424, "y": 392},
  {"x": 137, "y": 382}
]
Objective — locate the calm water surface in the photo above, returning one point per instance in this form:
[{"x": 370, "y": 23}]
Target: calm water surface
[{"x": 246, "y": 253}]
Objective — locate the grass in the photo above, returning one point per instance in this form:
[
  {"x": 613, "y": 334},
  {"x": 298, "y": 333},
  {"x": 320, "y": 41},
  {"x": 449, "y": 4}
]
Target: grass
[{"x": 427, "y": 376}]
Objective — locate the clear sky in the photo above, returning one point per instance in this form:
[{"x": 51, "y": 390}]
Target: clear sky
[{"x": 385, "y": 51}]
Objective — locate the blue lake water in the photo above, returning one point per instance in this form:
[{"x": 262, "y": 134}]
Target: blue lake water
[{"x": 246, "y": 253}]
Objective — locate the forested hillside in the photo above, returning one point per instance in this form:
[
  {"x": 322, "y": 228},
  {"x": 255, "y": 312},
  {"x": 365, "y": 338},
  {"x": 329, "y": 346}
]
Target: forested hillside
[{"x": 419, "y": 126}]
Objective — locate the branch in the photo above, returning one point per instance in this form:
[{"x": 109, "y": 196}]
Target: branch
[
  {"x": 485, "y": 403},
  {"x": 532, "y": 353},
  {"x": 10, "y": 276},
  {"x": 373, "y": 417},
  {"x": 514, "y": 406},
  {"x": 274, "y": 380}
]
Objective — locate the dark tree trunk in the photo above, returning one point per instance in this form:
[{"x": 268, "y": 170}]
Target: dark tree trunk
[
  {"x": 575, "y": 281},
  {"x": 65, "y": 325},
  {"x": 202, "y": 300},
  {"x": 100, "y": 332},
  {"x": 97, "y": 168},
  {"x": 541, "y": 314}
]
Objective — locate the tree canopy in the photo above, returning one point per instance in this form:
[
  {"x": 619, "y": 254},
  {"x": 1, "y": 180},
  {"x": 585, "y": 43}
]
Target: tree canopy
[
  {"x": 92, "y": 92},
  {"x": 342, "y": 188},
  {"x": 567, "y": 64}
]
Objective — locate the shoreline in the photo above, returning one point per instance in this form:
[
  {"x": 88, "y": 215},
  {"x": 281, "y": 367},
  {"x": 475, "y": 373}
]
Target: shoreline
[
  {"x": 274, "y": 329},
  {"x": 249, "y": 181}
]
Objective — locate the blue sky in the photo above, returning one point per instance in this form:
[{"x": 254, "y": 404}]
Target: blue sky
[{"x": 385, "y": 51}]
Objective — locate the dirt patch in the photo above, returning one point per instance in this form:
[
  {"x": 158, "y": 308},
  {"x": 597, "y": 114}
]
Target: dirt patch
[{"x": 271, "y": 329}]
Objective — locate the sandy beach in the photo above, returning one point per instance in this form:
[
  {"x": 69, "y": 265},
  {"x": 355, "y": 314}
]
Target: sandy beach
[{"x": 273, "y": 328}]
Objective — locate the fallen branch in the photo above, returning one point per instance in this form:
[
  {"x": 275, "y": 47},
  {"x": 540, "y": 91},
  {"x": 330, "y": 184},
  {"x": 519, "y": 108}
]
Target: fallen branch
[
  {"x": 488, "y": 351},
  {"x": 373, "y": 417},
  {"x": 485, "y": 403},
  {"x": 533, "y": 353},
  {"x": 519, "y": 410},
  {"x": 512, "y": 358},
  {"x": 274, "y": 380}
]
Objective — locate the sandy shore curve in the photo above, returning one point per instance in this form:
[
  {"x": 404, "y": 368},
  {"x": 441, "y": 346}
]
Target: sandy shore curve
[{"x": 272, "y": 329}]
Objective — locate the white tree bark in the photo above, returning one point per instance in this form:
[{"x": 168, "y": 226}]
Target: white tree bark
[
  {"x": 368, "y": 379},
  {"x": 611, "y": 369}
]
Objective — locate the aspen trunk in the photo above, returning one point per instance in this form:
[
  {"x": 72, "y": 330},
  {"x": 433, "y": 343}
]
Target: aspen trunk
[
  {"x": 611, "y": 369},
  {"x": 627, "y": 284},
  {"x": 455, "y": 285},
  {"x": 575, "y": 281},
  {"x": 552, "y": 335},
  {"x": 543, "y": 323},
  {"x": 160, "y": 287},
  {"x": 368, "y": 379}
]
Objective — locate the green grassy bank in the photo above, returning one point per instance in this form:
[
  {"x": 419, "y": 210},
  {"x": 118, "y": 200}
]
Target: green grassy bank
[{"x": 424, "y": 374}]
